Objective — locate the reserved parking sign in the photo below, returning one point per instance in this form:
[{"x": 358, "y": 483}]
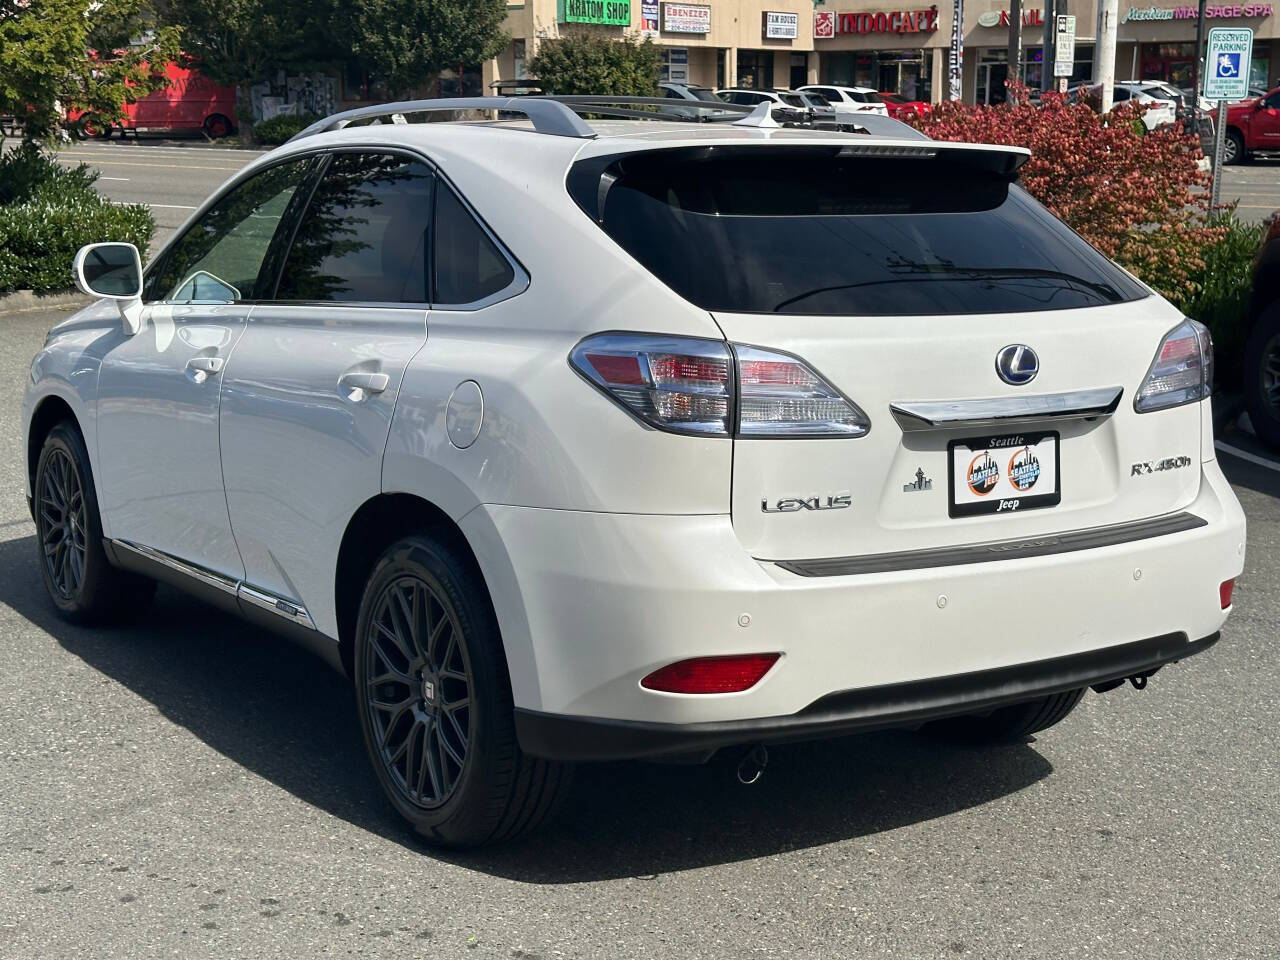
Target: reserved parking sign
[{"x": 1226, "y": 65}]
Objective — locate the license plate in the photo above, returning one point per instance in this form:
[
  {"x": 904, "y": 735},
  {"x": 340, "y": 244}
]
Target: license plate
[{"x": 1003, "y": 474}]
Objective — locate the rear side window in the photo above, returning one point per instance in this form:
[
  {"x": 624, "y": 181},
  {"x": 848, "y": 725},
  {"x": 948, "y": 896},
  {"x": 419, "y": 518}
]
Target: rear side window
[
  {"x": 363, "y": 237},
  {"x": 468, "y": 266},
  {"x": 825, "y": 231}
]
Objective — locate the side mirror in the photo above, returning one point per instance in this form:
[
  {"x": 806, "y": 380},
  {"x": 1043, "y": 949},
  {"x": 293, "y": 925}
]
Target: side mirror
[{"x": 113, "y": 271}]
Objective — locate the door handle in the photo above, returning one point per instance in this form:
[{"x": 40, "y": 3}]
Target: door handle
[
  {"x": 201, "y": 368},
  {"x": 360, "y": 383}
]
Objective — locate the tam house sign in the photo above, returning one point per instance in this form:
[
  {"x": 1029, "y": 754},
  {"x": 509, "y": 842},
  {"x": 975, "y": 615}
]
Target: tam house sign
[
  {"x": 1211, "y": 11},
  {"x": 827, "y": 24}
]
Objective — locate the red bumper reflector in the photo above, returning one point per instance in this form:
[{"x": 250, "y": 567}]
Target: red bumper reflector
[
  {"x": 711, "y": 674},
  {"x": 1224, "y": 592}
]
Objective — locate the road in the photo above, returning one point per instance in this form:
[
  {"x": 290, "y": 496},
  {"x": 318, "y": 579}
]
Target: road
[
  {"x": 173, "y": 177},
  {"x": 193, "y": 787}
]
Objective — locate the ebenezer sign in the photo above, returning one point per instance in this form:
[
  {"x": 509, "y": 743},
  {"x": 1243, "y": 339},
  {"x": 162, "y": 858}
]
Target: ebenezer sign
[
  {"x": 612, "y": 12},
  {"x": 686, "y": 18},
  {"x": 828, "y": 24}
]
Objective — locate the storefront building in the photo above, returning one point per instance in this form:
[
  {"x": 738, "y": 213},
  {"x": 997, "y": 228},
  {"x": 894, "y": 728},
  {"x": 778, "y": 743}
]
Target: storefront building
[
  {"x": 900, "y": 49},
  {"x": 759, "y": 44},
  {"x": 893, "y": 49}
]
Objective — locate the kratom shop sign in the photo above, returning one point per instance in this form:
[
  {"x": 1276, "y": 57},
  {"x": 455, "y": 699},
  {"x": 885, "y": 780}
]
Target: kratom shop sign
[
  {"x": 612, "y": 12},
  {"x": 1211, "y": 11}
]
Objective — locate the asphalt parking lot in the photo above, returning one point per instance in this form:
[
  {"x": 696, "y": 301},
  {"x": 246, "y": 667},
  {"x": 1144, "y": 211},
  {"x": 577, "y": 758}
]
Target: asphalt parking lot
[{"x": 191, "y": 786}]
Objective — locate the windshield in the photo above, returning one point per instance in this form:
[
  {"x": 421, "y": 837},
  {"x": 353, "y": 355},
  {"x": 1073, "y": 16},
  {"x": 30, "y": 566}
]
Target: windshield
[{"x": 812, "y": 231}]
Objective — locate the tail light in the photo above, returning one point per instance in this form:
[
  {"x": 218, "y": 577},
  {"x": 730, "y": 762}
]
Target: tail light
[
  {"x": 1225, "y": 589},
  {"x": 711, "y": 674},
  {"x": 706, "y": 388},
  {"x": 1182, "y": 371}
]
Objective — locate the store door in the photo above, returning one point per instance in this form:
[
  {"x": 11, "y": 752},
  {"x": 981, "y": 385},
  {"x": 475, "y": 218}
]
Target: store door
[{"x": 991, "y": 83}]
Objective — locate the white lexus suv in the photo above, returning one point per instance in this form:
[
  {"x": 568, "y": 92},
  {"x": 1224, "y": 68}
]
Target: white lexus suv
[{"x": 571, "y": 441}]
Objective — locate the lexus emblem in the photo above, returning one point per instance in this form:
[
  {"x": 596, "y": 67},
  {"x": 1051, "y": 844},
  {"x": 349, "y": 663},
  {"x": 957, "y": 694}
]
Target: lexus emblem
[{"x": 1017, "y": 364}]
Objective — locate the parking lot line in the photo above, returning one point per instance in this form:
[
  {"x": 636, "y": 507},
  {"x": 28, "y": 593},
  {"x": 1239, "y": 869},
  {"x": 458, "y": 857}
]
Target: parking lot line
[{"x": 1246, "y": 455}]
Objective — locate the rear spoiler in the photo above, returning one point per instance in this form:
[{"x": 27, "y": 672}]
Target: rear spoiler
[{"x": 591, "y": 177}]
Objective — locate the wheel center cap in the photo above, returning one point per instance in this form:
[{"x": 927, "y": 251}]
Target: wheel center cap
[{"x": 428, "y": 691}]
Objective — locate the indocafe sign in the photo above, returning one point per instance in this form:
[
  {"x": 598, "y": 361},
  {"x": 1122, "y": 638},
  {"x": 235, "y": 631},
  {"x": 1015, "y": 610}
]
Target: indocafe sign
[{"x": 828, "y": 24}]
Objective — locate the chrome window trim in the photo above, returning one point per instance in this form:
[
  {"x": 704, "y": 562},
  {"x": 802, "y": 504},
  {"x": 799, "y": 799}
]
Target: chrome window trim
[{"x": 914, "y": 416}]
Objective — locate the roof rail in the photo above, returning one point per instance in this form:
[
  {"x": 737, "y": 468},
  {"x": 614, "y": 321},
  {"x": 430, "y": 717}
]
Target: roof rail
[{"x": 547, "y": 116}]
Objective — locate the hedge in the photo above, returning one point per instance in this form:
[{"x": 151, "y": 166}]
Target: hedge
[
  {"x": 282, "y": 127},
  {"x": 48, "y": 211}
]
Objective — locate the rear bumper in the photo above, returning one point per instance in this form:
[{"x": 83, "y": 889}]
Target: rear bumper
[
  {"x": 591, "y": 603},
  {"x": 909, "y": 704}
]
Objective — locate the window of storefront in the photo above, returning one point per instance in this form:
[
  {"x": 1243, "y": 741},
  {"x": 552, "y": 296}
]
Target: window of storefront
[
  {"x": 517, "y": 56},
  {"x": 904, "y": 72},
  {"x": 993, "y": 70},
  {"x": 799, "y": 70},
  {"x": 1168, "y": 61},
  {"x": 674, "y": 65},
  {"x": 720, "y": 69},
  {"x": 755, "y": 69}
]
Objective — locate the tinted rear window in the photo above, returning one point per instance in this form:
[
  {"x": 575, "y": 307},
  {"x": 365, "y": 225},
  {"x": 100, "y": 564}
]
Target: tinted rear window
[{"x": 818, "y": 231}]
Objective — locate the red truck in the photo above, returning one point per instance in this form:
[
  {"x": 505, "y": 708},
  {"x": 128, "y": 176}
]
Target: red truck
[
  {"x": 1252, "y": 125},
  {"x": 189, "y": 103}
]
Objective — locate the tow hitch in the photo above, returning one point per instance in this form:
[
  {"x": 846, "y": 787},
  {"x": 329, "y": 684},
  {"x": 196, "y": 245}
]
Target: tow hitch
[{"x": 1139, "y": 682}]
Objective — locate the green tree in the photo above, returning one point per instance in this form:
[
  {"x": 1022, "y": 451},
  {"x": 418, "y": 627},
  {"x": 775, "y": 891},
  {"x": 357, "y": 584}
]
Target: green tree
[
  {"x": 406, "y": 43},
  {"x": 242, "y": 42},
  {"x": 85, "y": 54},
  {"x": 586, "y": 63}
]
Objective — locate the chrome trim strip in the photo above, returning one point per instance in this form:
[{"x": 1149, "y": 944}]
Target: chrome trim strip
[
  {"x": 293, "y": 612},
  {"x": 277, "y": 605},
  {"x": 999, "y": 550},
  {"x": 207, "y": 577},
  {"x": 913, "y": 416}
]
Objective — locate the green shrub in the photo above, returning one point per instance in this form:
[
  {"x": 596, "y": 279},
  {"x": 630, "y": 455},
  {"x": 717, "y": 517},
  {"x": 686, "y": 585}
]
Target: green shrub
[
  {"x": 1221, "y": 300},
  {"x": 282, "y": 127},
  {"x": 48, "y": 211},
  {"x": 586, "y": 63}
]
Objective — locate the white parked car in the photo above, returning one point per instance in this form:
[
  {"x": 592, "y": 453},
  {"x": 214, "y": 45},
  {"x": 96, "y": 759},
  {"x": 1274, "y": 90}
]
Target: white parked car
[
  {"x": 1160, "y": 109},
  {"x": 576, "y": 441},
  {"x": 849, "y": 100},
  {"x": 791, "y": 107}
]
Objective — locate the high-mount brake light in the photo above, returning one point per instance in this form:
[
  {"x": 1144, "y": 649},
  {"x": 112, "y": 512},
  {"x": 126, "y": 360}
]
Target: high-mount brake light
[
  {"x": 1182, "y": 371},
  {"x": 707, "y": 388}
]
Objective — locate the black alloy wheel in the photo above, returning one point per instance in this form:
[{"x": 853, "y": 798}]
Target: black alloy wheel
[
  {"x": 418, "y": 692},
  {"x": 62, "y": 521}
]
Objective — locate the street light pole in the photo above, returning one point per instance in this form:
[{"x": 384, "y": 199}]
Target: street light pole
[
  {"x": 1047, "y": 80},
  {"x": 1194, "y": 106},
  {"x": 1014, "y": 59}
]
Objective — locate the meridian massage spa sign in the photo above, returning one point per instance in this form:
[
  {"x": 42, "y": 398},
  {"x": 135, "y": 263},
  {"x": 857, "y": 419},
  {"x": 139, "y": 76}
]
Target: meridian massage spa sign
[{"x": 1211, "y": 12}]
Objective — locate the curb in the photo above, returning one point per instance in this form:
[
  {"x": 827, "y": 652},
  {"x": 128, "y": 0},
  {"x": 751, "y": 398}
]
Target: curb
[{"x": 21, "y": 301}]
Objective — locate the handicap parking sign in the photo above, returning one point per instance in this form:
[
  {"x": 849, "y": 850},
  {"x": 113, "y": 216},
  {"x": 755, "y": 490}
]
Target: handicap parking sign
[{"x": 1227, "y": 76}]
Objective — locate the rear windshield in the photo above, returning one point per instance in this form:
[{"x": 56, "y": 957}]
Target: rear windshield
[
  {"x": 791, "y": 100},
  {"x": 815, "y": 230},
  {"x": 871, "y": 98}
]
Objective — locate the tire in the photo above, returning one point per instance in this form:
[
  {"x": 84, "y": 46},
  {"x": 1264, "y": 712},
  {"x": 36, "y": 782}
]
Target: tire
[
  {"x": 1233, "y": 150},
  {"x": 1008, "y": 724},
  {"x": 217, "y": 126},
  {"x": 423, "y": 588},
  {"x": 83, "y": 585},
  {"x": 1262, "y": 376}
]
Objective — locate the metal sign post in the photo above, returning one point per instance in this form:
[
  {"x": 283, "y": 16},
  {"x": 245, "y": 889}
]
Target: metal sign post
[{"x": 1226, "y": 78}]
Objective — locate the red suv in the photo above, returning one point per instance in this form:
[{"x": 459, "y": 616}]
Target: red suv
[{"x": 1252, "y": 124}]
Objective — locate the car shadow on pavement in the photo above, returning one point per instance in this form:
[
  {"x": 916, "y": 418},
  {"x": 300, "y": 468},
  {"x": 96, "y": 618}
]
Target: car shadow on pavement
[{"x": 281, "y": 713}]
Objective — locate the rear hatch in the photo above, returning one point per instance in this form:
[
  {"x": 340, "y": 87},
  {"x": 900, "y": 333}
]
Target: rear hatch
[{"x": 900, "y": 276}]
